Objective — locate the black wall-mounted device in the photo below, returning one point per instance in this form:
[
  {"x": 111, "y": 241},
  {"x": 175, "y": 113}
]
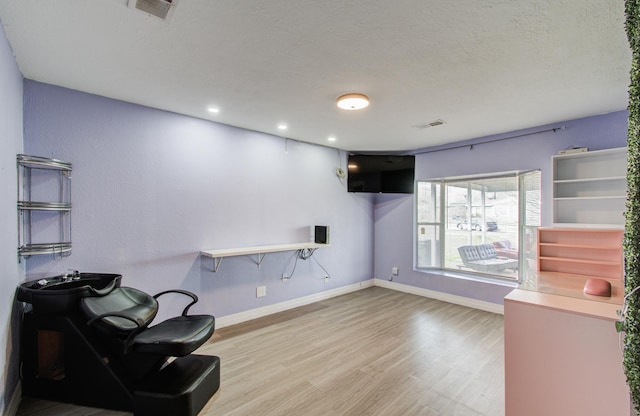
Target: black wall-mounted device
[{"x": 322, "y": 234}]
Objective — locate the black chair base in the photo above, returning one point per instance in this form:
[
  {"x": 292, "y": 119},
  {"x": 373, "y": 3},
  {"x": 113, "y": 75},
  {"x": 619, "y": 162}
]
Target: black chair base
[
  {"x": 60, "y": 363},
  {"x": 180, "y": 389},
  {"x": 63, "y": 361}
]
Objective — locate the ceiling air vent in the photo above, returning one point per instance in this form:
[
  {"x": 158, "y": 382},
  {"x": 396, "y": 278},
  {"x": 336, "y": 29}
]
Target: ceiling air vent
[
  {"x": 433, "y": 123},
  {"x": 162, "y": 9}
]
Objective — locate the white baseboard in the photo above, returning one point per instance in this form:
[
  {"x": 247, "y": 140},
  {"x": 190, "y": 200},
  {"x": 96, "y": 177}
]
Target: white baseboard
[
  {"x": 240, "y": 317},
  {"x": 245, "y": 316},
  {"x": 445, "y": 297},
  {"x": 14, "y": 404}
]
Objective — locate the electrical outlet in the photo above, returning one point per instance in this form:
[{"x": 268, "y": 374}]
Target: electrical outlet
[
  {"x": 261, "y": 291},
  {"x": 285, "y": 277},
  {"x": 326, "y": 278},
  {"x": 395, "y": 271}
]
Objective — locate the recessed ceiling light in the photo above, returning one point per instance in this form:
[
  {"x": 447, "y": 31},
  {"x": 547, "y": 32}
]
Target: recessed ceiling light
[
  {"x": 214, "y": 110},
  {"x": 353, "y": 101},
  {"x": 331, "y": 139},
  {"x": 282, "y": 126}
]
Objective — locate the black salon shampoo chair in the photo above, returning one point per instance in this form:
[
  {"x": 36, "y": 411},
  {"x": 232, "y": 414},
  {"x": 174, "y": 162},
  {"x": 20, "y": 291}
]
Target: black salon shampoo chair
[{"x": 112, "y": 358}]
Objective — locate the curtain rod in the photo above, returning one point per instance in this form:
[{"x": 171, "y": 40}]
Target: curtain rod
[{"x": 470, "y": 145}]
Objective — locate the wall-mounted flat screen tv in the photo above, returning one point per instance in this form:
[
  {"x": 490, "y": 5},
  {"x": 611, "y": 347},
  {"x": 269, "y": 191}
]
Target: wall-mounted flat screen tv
[{"x": 381, "y": 173}]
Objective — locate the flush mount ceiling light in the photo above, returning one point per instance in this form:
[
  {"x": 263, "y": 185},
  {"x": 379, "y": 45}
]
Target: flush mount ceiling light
[{"x": 353, "y": 101}]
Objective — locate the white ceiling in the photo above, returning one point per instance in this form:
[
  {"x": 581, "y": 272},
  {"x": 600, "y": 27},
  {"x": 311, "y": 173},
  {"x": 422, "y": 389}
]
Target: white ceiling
[{"x": 482, "y": 66}]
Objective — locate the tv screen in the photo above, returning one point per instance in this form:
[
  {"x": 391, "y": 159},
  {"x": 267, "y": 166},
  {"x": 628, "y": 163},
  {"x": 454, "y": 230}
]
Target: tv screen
[{"x": 381, "y": 173}]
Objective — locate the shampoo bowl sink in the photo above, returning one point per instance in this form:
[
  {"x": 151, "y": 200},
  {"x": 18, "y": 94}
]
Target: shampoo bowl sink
[{"x": 61, "y": 294}]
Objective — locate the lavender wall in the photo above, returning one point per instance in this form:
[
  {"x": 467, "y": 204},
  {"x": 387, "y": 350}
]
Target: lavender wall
[
  {"x": 394, "y": 215},
  {"x": 150, "y": 189},
  {"x": 11, "y": 273}
]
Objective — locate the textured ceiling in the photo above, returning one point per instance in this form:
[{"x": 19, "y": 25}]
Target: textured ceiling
[{"x": 482, "y": 66}]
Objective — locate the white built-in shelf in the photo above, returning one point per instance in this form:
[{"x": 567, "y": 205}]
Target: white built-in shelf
[
  {"x": 218, "y": 254},
  {"x": 622, "y": 197},
  {"x": 591, "y": 180},
  {"x": 589, "y": 189}
]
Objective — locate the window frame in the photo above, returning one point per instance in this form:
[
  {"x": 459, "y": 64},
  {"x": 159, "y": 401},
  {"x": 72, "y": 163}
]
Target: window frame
[{"x": 525, "y": 224}]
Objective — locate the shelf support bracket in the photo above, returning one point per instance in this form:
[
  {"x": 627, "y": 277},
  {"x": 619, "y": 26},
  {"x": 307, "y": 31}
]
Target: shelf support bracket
[
  {"x": 216, "y": 263},
  {"x": 260, "y": 258}
]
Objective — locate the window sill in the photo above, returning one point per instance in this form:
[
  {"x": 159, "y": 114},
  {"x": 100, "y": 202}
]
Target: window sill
[{"x": 470, "y": 276}]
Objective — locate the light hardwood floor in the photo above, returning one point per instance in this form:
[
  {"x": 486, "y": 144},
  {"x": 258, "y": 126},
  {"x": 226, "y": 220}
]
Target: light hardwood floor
[{"x": 372, "y": 352}]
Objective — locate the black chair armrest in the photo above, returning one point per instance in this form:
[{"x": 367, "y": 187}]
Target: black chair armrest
[{"x": 182, "y": 292}]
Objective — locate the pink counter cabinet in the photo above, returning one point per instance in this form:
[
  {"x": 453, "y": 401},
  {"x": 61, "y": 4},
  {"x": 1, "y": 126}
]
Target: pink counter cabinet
[{"x": 562, "y": 357}]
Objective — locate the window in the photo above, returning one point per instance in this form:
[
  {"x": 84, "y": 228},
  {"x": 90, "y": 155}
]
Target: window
[{"x": 477, "y": 224}]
